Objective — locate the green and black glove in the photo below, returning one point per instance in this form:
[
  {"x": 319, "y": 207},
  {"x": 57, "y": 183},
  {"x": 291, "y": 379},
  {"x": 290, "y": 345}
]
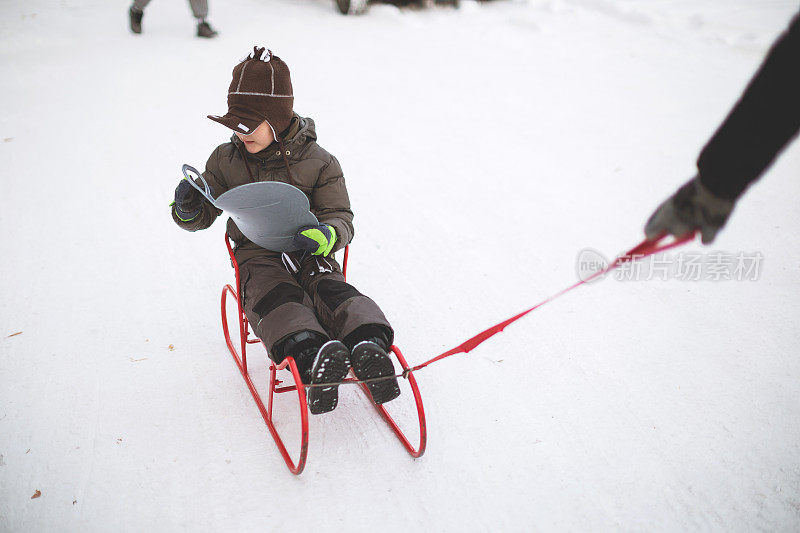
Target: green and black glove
[
  {"x": 316, "y": 240},
  {"x": 693, "y": 207}
]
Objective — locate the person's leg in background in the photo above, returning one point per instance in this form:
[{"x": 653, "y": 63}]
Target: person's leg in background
[
  {"x": 200, "y": 12},
  {"x": 135, "y": 14}
]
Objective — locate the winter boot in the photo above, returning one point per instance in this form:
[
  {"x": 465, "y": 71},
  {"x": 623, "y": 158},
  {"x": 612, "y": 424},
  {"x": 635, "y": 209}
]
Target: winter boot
[
  {"x": 303, "y": 346},
  {"x": 319, "y": 361},
  {"x": 135, "y": 17},
  {"x": 369, "y": 360},
  {"x": 330, "y": 366},
  {"x": 204, "y": 29}
]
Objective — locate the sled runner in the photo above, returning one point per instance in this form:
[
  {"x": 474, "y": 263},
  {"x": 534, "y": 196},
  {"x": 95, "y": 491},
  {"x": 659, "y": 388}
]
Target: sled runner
[{"x": 294, "y": 384}]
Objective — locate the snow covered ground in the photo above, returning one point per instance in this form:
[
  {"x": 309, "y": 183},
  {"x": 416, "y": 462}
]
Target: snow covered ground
[{"x": 484, "y": 148}]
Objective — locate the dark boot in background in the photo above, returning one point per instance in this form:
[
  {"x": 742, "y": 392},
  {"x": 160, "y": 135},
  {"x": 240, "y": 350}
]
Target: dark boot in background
[
  {"x": 135, "y": 17},
  {"x": 204, "y": 29}
]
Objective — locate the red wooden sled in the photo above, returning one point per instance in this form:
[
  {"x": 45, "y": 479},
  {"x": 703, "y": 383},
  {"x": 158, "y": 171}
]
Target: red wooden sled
[{"x": 289, "y": 365}]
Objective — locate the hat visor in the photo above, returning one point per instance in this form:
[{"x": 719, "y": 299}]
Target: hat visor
[{"x": 239, "y": 122}]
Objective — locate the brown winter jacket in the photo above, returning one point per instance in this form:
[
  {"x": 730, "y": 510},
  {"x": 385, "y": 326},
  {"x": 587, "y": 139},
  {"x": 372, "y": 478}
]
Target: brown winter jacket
[{"x": 313, "y": 170}]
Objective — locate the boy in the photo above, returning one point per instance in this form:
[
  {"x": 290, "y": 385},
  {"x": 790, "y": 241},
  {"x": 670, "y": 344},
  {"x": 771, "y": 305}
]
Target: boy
[{"x": 297, "y": 303}]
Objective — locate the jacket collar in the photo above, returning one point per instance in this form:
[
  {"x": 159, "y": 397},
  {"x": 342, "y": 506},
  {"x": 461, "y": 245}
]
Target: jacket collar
[{"x": 301, "y": 130}]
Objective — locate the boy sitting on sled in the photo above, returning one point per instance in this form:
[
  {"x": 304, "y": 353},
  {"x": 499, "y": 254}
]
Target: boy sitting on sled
[{"x": 298, "y": 303}]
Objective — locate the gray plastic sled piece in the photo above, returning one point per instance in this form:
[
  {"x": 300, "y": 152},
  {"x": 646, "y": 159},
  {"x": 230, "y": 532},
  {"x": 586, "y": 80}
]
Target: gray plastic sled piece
[{"x": 269, "y": 213}]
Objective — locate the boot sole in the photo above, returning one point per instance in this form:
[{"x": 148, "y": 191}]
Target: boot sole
[
  {"x": 331, "y": 365},
  {"x": 369, "y": 362}
]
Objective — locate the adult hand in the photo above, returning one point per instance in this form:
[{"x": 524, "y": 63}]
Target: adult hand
[{"x": 693, "y": 207}]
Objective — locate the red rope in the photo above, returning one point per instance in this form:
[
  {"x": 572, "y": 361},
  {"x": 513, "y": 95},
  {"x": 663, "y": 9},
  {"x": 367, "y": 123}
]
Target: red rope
[{"x": 643, "y": 249}]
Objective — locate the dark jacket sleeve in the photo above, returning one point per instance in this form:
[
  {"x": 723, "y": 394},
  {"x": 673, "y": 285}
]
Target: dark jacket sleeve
[
  {"x": 331, "y": 203},
  {"x": 762, "y": 123},
  {"x": 208, "y": 213}
]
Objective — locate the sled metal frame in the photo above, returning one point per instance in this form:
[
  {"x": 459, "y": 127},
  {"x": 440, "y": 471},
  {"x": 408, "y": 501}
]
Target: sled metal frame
[{"x": 240, "y": 357}]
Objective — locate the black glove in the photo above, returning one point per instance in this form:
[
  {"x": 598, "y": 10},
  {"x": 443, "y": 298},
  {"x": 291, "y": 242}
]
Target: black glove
[
  {"x": 693, "y": 207},
  {"x": 188, "y": 201}
]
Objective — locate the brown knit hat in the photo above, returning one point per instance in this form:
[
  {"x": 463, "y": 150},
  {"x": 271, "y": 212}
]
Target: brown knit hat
[{"x": 261, "y": 90}]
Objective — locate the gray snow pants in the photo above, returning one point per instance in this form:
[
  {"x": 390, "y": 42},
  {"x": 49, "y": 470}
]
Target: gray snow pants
[
  {"x": 283, "y": 296},
  {"x": 199, "y": 7}
]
